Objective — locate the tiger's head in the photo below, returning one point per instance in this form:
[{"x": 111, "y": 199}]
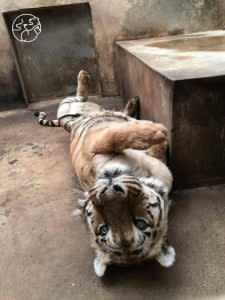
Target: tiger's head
[{"x": 127, "y": 217}]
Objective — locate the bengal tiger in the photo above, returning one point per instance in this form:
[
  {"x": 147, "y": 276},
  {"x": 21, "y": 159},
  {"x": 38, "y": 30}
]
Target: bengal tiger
[{"x": 126, "y": 201}]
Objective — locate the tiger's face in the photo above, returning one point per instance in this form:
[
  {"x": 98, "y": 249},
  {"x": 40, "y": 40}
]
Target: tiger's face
[{"x": 127, "y": 217}]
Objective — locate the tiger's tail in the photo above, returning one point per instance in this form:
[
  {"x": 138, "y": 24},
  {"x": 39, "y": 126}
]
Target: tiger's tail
[{"x": 41, "y": 120}]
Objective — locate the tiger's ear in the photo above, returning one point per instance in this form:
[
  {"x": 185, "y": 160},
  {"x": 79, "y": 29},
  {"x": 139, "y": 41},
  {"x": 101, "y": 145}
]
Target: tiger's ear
[
  {"x": 100, "y": 263},
  {"x": 167, "y": 255}
]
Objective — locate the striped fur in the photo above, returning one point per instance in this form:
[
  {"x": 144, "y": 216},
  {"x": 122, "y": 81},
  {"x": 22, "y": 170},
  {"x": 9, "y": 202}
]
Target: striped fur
[
  {"x": 126, "y": 205},
  {"x": 41, "y": 120},
  {"x": 146, "y": 200}
]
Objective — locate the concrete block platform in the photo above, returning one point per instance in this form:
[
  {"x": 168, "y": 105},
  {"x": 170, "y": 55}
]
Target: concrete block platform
[
  {"x": 181, "y": 83},
  {"x": 45, "y": 252}
]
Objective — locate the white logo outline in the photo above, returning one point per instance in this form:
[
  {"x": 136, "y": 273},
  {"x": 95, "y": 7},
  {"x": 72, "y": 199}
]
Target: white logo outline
[{"x": 26, "y": 35}]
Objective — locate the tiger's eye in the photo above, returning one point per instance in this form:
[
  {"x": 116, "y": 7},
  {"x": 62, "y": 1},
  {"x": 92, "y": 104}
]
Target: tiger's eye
[
  {"x": 103, "y": 229},
  {"x": 140, "y": 224}
]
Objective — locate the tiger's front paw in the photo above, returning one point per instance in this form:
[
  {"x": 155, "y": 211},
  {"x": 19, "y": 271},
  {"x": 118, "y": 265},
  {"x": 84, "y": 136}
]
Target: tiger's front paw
[
  {"x": 148, "y": 134},
  {"x": 159, "y": 133}
]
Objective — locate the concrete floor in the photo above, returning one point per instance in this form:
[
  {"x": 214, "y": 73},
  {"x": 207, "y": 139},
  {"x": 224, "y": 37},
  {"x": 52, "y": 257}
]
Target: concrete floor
[{"x": 45, "y": 252}]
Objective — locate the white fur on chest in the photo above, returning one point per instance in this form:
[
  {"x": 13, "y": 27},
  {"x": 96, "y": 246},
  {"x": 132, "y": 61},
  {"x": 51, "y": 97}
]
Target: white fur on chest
[{"x": 143, "y": 164}]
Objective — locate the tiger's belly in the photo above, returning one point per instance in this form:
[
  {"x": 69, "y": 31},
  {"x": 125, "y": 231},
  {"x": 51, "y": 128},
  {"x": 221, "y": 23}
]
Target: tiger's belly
[{"x": 71, "y": 107}]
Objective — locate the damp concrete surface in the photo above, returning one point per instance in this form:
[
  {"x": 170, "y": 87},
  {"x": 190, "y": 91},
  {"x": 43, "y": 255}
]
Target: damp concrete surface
[{"x": 45, "y": 251}]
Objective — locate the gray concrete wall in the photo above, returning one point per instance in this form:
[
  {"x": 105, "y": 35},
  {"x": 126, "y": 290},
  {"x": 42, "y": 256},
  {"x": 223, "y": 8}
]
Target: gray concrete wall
[
  {"x": 115, "y": 20},
  {"x": 65, "y": 45}
]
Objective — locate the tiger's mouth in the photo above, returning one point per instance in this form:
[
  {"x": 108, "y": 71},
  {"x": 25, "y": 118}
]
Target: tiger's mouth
[
  {"x": 118, "y": 251},
  {"x": 113, "y": 248},
  {"x": 123, "y": 251}
]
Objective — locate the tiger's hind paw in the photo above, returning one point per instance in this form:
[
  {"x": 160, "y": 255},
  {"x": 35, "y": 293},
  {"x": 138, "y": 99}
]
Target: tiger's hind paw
[
  {"x": 132, "y": 107},
  {"x": 84, "y": 79}
]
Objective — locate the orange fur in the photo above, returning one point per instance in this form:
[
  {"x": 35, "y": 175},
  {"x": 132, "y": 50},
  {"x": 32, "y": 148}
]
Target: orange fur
[{"x": 124, "y": 185}]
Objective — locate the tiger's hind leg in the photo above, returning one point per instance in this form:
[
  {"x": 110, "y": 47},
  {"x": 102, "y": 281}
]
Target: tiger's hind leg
[
  {"x": 83, "y": 83},
  {"x": 132, "y": 107}
]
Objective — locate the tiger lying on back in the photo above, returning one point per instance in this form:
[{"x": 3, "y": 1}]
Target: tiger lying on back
[{"x": 126, "y": 206}]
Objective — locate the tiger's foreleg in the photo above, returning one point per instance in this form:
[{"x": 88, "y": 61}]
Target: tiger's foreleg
[{"x": 117, "y": 137}]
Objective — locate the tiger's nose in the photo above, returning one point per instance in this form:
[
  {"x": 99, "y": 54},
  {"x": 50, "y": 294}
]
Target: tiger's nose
[{"x": 117, "y": 189}]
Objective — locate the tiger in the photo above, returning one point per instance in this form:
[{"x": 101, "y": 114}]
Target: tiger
[{"x": 126, "y": 189}]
